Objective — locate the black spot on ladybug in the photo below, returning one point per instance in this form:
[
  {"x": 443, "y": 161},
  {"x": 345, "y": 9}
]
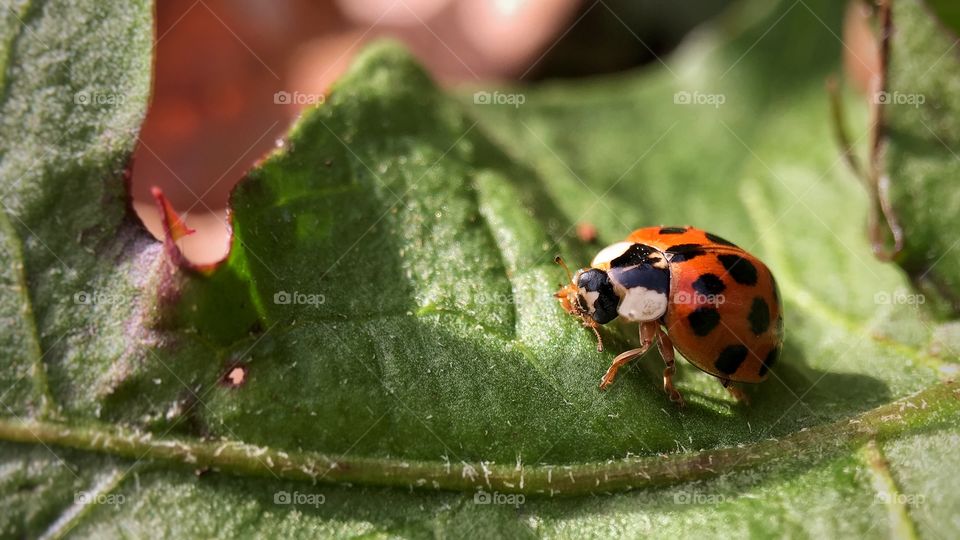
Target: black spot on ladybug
[
  {"x": 709, "y": 285},
  {"x": 730, "y": 359},
  {"x": 769, "y": 361},
  {"x": 703, "y": 320},
  {"x": 740, "y": 269},
  {"x": 634, "y": 255},
  {"x": 759, "y": 316},
  {"x": 719, "y": 240},
  {"x": 672, "y": 230},
  {"x": 684, "y": 252}
]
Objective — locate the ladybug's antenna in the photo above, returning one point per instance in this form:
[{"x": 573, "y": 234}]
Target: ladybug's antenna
[{"x": 559, "y": 260}]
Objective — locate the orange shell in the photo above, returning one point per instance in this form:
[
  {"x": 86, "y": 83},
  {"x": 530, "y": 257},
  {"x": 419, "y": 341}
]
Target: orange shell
[{"x": 724, "y": 314}]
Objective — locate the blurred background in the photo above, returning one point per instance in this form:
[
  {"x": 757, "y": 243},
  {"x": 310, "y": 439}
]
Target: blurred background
[{"x": 230, "y": 76}]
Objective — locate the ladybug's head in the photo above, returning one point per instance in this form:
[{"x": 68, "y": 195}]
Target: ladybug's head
[
  {"x": 590, "y": 296},
  {"x": 596, "y": 297}
]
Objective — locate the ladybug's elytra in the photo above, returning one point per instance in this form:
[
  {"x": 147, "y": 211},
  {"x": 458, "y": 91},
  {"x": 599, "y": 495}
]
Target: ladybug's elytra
[{"x": 689, "y": 289}]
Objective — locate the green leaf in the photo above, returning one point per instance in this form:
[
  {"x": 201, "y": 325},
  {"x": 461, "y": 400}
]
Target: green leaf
[
  {"x": 947, "y": 12},
  {"x": 382, "y": 341},
  {"x": 920, "y": 143},
  {"x": 75, "y": 86}
]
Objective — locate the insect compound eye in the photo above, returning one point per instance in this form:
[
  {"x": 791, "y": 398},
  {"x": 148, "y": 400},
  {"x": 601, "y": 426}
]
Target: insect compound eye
[
  {"x": 590, "y": 279},
  {"x": 597, "y": 296}
]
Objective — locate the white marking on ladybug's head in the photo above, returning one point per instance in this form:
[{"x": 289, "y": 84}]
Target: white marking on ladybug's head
[
  {"x": 609, "y": 253},
  {"x": 590, "y": 299},
  {"x": 641, "y": 304}
]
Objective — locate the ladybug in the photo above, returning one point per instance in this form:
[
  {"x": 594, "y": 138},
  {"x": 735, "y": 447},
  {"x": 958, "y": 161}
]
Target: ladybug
[{"x": 689, "y": 289}]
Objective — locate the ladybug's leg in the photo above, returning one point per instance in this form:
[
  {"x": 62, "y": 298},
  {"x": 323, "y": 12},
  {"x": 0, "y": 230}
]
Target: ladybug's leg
[
  {"x": 648, "y": 331},
  {"x": 593, "y": 326},
  {"x": 666, "y": 351},
  {"x": 735, "y": 391}
]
